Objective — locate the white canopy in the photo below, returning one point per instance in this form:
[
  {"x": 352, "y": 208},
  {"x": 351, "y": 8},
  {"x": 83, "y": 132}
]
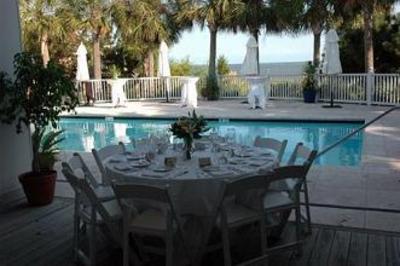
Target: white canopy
[
  {"x": 332, "y": 63},
  {"x": 249, "y": 66},
  {"x": 82, "y": 70},
  {"x": 163, "y": 63}
]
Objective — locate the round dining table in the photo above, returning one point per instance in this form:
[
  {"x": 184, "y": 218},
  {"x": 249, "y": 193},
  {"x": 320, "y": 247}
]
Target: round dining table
[{"x": 196, "y": 186}]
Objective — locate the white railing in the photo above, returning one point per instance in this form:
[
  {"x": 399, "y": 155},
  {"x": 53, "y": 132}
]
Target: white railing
[{"x": 381, "y": 89}]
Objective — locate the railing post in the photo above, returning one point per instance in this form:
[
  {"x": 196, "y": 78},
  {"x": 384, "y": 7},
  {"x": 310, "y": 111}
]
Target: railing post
[{"x": 370, "y": 85}]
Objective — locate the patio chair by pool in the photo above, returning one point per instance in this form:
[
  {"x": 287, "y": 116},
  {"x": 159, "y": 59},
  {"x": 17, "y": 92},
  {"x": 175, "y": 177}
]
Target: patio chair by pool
[
  {"x": 102, "y": 154},
  {"x": 78, "y": 166},
  {"x": 91, "y": 211},
  {"x": 150, "y": 222},
  {"x": 272, "y": 144},
  {"x": 235, "y": 215},
  {"x": 286, "y": 201},
  {"x": 303, "y": 156}
]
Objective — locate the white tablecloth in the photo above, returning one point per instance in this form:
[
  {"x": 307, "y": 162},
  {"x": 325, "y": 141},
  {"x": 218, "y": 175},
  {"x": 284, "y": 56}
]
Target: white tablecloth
[
  {"x": 189, "y": 92},
  {"x": 196, "y": 192},
  {"x": 118, "y": 96},
  {"x": 258, "y": 94}
]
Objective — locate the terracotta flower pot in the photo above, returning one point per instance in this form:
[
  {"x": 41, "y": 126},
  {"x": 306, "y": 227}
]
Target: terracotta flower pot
[{"x": 39, "y": 187}]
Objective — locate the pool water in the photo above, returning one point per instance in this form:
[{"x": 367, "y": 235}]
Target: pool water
[{"x": 83, "y": 134}]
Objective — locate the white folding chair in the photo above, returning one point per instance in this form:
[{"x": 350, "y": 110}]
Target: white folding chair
[
  {"x": 272, "y": 144},
  {"x": 162, "y": 223},
  {"x": 78, "y": 166},
  {"x": 102, "y": 154},
  {"x": 90, "y": 210},
  {"x": 233, "y": 215},
  {"x": 303, "y": 156},
  {"x": 286, "y": 201}
]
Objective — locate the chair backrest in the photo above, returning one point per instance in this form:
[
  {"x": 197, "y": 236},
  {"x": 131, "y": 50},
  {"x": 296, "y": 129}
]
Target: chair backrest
[
  {"x": 104, "y": 153},
  {"x": 85, "y": 192},
  {"x": 273, "y": 144},
  {"x": 257, "y": 182},
  {"x": 304, "y": 154},
  {"x": 141, "y": 192},
  {"x": 293, "y": 172},
  {"x": 76, "y": 164}
]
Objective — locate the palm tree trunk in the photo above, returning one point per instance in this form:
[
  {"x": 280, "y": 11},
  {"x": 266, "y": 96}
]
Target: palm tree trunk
[
  {"x": 44, "y": 48},
  {"x": 212, "y": 82},
  {"x": 213, "y": 52},
  {"x": 255, "y": 34},
  {"x": 96, "y": 57},
  {"x": 149, "y": 64},
  {"x": 317, "y": 29},
  {"x": 368, "y": 39}
]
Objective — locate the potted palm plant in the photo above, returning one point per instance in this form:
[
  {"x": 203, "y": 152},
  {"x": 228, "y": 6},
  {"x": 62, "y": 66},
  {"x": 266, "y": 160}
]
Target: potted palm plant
[
  {"x": 309, "y": 83},
  {"x": 35, "y": 99}
]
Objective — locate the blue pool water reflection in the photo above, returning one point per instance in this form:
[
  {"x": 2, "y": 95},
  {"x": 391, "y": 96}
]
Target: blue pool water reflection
[{"x": 83, "y": 134}]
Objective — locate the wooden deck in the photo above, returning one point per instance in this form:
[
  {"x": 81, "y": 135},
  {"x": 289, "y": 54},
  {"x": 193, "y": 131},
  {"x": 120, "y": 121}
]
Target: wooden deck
[{"x": 43, "y": 236}]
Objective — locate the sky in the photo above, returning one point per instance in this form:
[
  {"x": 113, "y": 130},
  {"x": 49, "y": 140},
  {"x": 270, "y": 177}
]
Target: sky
[{"x": 194, "y": 44}]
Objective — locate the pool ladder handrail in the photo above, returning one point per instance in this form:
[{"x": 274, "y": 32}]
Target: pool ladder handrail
[{"x": 330, "y": 147}]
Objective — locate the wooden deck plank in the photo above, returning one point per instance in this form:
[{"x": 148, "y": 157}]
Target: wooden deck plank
[
  {"x": 340, "y": 249},
  {"x": 324, "y": 243},
  {"x": 309, "y": 245},
  {"x": 10, "y": 198},
  {"x": 358, "y": 249},
  {"x": 393, "y": 251},
  {"x": 43, "y": 236},
  {"x": 23, "y": 214},
  {"x": 376, "y": 254},
  {"x": 37, "y": 234}
]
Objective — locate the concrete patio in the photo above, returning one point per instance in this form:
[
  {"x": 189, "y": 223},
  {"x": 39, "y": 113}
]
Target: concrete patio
[{"x": 375, "y": 184}]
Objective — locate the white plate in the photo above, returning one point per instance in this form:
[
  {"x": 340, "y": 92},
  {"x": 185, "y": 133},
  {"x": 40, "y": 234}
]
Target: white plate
[{"x": 161, "y": 170}]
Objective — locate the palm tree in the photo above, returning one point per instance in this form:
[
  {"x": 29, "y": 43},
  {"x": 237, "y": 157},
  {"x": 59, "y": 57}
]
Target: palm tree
[
  {"x": 43, "y": 21},
  {"x": 95, "y": 19},
  {"x": 316, "y": 16},
  {"x": 215, "y": 15},
  {"x": 146, "y": 25},
  {"x": 367, "y": 8}
]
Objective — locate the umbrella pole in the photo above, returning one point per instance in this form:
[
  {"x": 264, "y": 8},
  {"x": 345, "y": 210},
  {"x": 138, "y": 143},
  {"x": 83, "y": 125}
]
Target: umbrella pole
[{"x": 166, "y": 90}]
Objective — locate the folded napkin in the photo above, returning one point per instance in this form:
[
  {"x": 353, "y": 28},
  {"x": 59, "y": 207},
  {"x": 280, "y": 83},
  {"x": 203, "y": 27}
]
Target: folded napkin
[
  {"x": 122, "y": 167},
  {"x": 154, "y": 174}
]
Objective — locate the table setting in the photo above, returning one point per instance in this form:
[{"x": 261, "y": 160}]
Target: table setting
[{"x": 195, "y": 166}]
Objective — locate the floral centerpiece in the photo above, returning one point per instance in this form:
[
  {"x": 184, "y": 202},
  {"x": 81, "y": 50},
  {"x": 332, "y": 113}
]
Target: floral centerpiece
[{"x": 189, "y": 128}]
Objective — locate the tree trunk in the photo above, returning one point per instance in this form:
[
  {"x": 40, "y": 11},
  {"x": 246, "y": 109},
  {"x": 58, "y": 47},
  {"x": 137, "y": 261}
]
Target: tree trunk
[
  {"x": 96, "y": 57},
  {"x": 213, "y": 52},
  {"x": 149, "y": 64},
  {"x": 255, "y": 35},
  {"x": 317, "y": 29},
  {"x": 44, "y": 48},
  {"x": 368, "y": 39},
  {"x": 212, "y": 82}
]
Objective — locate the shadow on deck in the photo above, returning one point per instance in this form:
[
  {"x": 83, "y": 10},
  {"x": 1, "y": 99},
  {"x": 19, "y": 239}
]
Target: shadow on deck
[{"x": 43, "y": 236}]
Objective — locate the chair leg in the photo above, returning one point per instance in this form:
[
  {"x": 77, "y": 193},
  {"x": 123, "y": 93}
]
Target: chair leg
[
  {"x": 76, "y": 234},
  {"x": 92, "y": 242},
  {"x": 125, "y": 245},
  {"x": 264, "y": 240},
  {"x": 298, "y": 230},
  {"x": 308, "y": 214},
  {"x": 169, "y": 243},
  {"x": 225, "y": 240}
]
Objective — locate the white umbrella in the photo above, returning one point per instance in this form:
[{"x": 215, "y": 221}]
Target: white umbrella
[
  {"x": 82, "y": 70},
  {"x": 163, "y": 63},
  {"x": 164, "y": 70},
  {"x": 332, "y": 63},
  {"x": 249, "y": 66}
]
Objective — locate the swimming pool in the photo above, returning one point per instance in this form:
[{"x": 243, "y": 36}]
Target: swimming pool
[{"x": 83, "y": 134}]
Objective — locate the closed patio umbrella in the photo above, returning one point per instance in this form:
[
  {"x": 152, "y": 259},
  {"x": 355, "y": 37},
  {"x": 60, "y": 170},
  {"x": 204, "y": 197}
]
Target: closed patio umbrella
[
  {"x": 332, "y": 64},
  {"x": 164, "y": 70},
  {"x": 250, "y": 66},
  {"x": 82, "y": 71}
]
